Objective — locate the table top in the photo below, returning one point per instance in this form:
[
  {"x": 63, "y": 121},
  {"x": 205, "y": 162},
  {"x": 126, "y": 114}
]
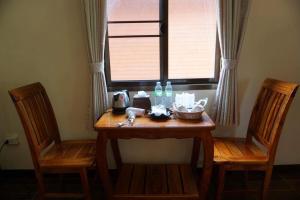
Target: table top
[{"x": 110, "y": 121}]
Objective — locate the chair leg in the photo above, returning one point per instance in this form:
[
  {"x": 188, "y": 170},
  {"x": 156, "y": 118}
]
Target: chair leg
[
  {"x": 41, "y": 185},
  {"x": 85, "y": 184},
  {"x": 220, "y": 183},
  {"x": 266, "y": 184}
]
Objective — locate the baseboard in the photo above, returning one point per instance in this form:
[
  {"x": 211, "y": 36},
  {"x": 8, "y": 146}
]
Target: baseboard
[
  {"x": 293, "y": 167},
  {"x": 287, "y": 167}
]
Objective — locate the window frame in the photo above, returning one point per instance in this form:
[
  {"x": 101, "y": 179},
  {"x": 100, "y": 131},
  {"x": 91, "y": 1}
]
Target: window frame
[{"x": 178, "y": 84}]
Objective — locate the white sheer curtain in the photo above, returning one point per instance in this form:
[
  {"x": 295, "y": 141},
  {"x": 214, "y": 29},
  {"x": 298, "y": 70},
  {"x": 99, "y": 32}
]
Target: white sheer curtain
[
  {"x": 231, "y": 26},
  {"x": 96, "y": 18}
]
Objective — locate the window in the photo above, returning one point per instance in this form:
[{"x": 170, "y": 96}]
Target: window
[{"x": 151, "y": 40}]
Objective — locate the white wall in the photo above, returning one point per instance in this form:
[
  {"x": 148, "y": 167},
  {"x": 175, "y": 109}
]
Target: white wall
[
  {"x": 45, "y": 41},
  {"x": 271, "y": 49}
]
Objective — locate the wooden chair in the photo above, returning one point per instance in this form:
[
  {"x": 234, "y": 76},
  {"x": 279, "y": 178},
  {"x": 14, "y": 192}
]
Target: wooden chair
[
  {"x": 49, "y": 153},
  {"x": 265, "y": 126}
]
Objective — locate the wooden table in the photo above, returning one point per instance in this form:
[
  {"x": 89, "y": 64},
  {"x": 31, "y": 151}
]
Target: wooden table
[{"x": 155, "y": 181}]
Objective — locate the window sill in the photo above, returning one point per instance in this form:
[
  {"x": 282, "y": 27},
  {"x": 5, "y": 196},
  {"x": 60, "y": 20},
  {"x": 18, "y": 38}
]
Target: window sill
[{"x": 176, "y": 87}]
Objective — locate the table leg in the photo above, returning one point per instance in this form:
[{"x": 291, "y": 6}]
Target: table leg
[
  {"x": 208, "y": 147},
  {"x": 195, "y": 152},
  {"x": 116, "y": 151},
  {"x": 102, "y": 167}
]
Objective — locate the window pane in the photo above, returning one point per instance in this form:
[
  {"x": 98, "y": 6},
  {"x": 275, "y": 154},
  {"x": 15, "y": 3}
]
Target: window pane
[
  {"x": 192, "y": 38},
  {"x": 134, "y": 58},
  {"x": 133, "y": 29},
  {"x": 133, "y": 10}
]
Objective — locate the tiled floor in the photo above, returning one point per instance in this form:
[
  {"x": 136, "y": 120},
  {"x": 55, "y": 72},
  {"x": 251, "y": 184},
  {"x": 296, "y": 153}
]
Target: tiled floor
[{"x": 285, "y": 185}]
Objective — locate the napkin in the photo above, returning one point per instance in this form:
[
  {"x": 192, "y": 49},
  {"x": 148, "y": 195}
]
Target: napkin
[{"x": 141, "y": 94}]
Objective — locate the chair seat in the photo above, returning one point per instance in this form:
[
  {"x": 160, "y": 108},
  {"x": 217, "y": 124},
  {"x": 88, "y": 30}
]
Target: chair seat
[
  {"x": 72, "y": 153},
  {"x": 236, "y": 150}
]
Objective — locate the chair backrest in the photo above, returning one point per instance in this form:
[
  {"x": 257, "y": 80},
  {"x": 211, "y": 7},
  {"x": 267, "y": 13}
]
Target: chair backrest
[
  {"x": 269, "y": 113},
  {"x": 37, "y": 117}
]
